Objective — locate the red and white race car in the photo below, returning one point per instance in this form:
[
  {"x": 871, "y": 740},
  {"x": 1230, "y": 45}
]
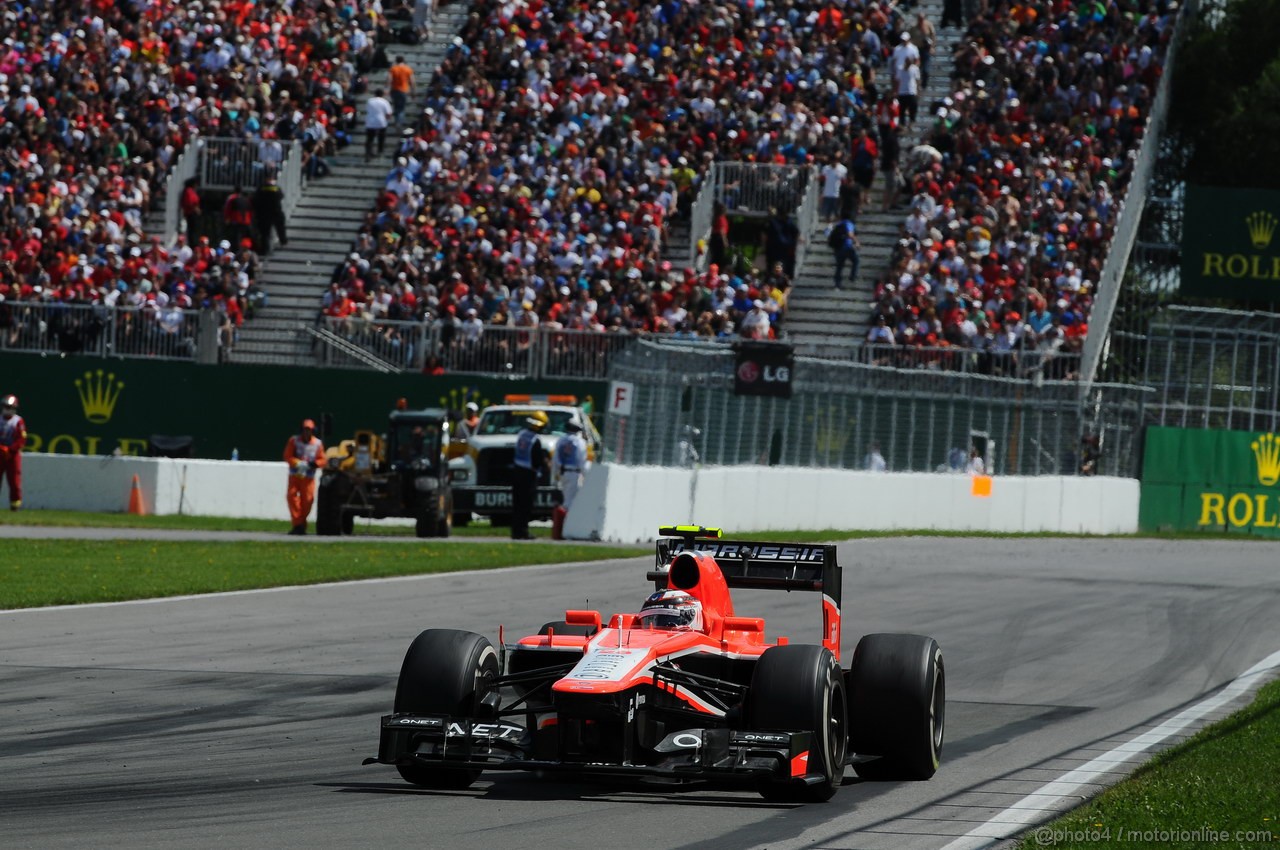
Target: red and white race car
[{"x": 684, "y": 688}]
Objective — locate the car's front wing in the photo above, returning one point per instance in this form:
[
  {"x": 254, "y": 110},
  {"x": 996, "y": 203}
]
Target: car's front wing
[{"x": 468, "y": 743}]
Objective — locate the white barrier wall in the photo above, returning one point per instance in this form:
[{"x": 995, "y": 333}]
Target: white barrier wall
[
  {"x": 628, "y": 503},
  {"x": 621, "y": 503},
  {"x": 168, "y": 485}
]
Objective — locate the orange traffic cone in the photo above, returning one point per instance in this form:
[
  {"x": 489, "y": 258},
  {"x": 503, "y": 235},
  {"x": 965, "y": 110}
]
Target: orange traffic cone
[{"x": 135, "y": 499}]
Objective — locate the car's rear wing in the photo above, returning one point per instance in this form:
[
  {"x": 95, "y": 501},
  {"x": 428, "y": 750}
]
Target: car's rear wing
[{"x": 760, "y": 566}]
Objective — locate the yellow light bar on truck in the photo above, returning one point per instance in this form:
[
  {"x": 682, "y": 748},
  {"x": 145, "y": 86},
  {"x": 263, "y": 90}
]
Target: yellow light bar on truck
[
  {"x": 525, "y": 398},
  {"x": 689, "y": 531}
]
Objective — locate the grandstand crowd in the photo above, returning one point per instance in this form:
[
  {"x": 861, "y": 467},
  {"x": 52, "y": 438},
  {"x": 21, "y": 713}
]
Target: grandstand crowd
[
  {"x": 553, "y": 148},
  {"x": 98, "y": 101},
  {"x": 1016, "y": 188}
]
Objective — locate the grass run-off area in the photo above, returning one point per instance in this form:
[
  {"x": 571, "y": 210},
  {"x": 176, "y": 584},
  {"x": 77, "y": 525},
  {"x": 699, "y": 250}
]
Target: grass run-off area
[
  {"x": 58, "y": 572},
  {"x": 43, "y": 572},
  {"x": 1217, "y": 789},
  {"x": 482, "y": 528}
]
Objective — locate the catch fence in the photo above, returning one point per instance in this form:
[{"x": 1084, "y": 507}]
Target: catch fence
[{"x": 685, "y": 412}]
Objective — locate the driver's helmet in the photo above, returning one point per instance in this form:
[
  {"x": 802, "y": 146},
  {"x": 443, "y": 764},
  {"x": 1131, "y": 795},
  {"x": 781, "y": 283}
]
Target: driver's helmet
[{"x": 671, "y": 609}]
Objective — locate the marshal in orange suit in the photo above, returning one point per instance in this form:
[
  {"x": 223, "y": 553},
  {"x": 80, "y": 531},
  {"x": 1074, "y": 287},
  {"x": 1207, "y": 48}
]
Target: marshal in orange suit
[{"x": 305, "y": 454}]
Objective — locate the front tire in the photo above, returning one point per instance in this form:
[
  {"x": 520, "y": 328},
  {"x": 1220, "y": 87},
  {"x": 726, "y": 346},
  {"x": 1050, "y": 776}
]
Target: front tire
[
  {"x": 446, "y": 672},
  {"x": 800, "y": 688},
  {"x": 898, "y": 706}
]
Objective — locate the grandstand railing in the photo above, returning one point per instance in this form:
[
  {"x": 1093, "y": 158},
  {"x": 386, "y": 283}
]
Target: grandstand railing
[
  {"x": 1032, "y": 364},
  {"x": 340, "y": 343},
  {"x": 291, "y": 183},
  {"x": 360, "y": 343},
  {"x": 700, "y": 217},
  {"x": 184, "y": 168},
  {"x": 578, "y": 354},
  {"x": 752, "y": 188},
  {"x": 226, "y": 163},
  {"x": 1130, "y": 215},
  {"x": 755, "y": 189},
  {"x": 807, "y": 218},
  {"x": 52, "y": 327}
]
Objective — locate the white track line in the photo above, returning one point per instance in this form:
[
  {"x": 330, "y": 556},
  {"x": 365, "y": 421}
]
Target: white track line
[
  {"x": 1034, "y": 807},
  {"x": 158, "y": 600}
]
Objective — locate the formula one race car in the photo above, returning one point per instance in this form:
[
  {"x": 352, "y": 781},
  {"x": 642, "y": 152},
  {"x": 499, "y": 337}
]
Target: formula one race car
[{"x": 684, "y": 689}]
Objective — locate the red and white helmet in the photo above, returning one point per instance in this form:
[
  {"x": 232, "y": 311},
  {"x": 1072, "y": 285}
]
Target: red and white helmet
[
  {"x": 671, "y": 609},
  {"x": 9, "y": 403}
]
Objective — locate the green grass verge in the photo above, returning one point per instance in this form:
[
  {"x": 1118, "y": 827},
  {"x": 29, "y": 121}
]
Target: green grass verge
[
  {"x": 62, "y": 572},
  {"x": 481, "y": 528},
  {"x": 82, "y": 519},
  {"x": 1223, "y": 779}
]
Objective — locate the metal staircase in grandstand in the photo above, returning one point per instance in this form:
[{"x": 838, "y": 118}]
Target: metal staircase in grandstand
[
  {"x": 822, "y": 320},
  {"x": 327, "y": 217}
]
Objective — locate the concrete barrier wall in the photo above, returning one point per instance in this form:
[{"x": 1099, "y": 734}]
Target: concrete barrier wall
[
  {"x": 628, "y": 503},
  {"x": 620, "y": 503},
  {"x": 169, "y": 486}
]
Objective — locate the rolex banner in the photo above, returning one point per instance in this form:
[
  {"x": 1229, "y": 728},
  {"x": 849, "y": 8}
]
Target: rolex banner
[
  {"x": 1203, "y": 480},
  {"x": 1231, "y": 244},
  {"x": 91, "y": 406}
]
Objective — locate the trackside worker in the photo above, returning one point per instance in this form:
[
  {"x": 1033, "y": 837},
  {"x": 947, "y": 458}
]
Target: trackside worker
[
  {"x": 530, "y": 458},
  {"x": 570, "y": 462},
  {"x": 13, "y": 436},
  {"x": 305, "y": 454},
  {"x": 471, "y": 421}
]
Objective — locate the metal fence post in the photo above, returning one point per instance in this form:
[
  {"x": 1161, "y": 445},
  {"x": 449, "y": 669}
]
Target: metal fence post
[{"x": 207, "y": 336}]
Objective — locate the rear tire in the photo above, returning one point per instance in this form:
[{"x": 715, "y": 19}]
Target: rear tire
[
  {"x": 444, "y": 525},
  {"x": 329, "y": 518},
  {"x": 426, "y": 523},
  {"x": 897, "y": 706},
  {"x": 800, "y": 688},
  {"x": 445, "y": 672}
]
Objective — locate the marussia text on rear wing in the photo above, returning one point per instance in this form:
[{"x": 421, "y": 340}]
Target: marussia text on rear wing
[{"x": 759, "y": 566}]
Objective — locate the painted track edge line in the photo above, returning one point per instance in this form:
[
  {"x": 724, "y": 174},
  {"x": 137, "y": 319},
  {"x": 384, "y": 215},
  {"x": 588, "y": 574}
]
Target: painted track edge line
[{"x": 1029, "y": 810}]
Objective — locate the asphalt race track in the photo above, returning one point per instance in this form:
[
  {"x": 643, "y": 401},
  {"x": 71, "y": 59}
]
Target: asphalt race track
[{"x": 240, "y": 720}]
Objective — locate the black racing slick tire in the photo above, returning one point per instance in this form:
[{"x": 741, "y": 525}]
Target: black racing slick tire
[
  {"x": 445, "y": 672},
  {"x": 897, "y": 706},
  {"x": 444, "y": 523},
  {"x": 800, "y": 688},
  {"x": 329, "y": 510},
  {"x": 425, "y": 523}
]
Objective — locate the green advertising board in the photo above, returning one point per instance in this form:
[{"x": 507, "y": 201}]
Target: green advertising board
[
  {"x": 1201, "y": 480},
  {"x": 1229, "y": 244},
  {"x": 92, "y": 406}
]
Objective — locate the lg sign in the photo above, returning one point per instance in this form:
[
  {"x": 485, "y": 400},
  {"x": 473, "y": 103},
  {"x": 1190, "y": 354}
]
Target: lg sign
[
  {"x": 763, "y": 369},
  {"x": 750, "y": 372}
]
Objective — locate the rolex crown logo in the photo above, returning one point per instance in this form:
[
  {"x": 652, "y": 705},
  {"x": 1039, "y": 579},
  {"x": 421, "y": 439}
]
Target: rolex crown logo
[
  {"x": 98, "y": 395},
  {"x": 1262, "y": 226},
  {"x": 1266, "y": 450}
]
